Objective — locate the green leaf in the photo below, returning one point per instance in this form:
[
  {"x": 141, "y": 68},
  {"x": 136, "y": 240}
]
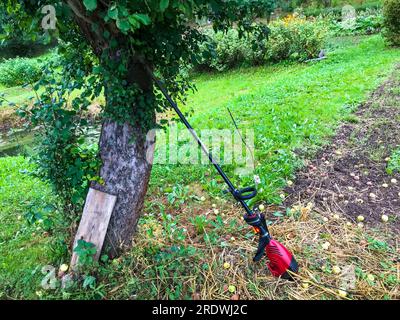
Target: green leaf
[
  {"x": 164, "y": 5},
  {"x": 123, "y": 25},
  {"x": 89, "y": 281},
  {"x": 112, "y": 13},
  {"x": 134, "y": 22},
  {"x": 90, "y": 4},
  {"x": 142, "y": 18},
  {"x": 278, "y": 214}
]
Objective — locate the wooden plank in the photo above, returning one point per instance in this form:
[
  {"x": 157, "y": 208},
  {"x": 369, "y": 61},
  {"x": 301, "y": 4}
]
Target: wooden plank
[{"x": 94, "y": 222}]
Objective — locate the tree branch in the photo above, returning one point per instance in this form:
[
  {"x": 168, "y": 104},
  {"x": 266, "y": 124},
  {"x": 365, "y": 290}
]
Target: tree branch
[
  {"x": 74, "y": 6},
  {"x": 95, "y": 37}
]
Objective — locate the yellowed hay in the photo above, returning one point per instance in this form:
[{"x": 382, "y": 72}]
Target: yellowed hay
[{"x": 304, "y": 237}]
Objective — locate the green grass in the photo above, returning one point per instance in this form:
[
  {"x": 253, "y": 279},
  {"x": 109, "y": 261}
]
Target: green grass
[
  {"x": 17, "y": 95},
  {"x": 23, "y": 249},
  {"x": 292, "y": 108},
  {"x": 394, "y": 162}
]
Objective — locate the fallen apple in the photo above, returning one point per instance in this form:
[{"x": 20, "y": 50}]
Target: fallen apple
[
  {"x": 370, "y": 277},
  {"x": 336, "y": 269},
  {"x": 326, "y": 245},
  {"x": 342, "y": 293},
  {"x": 64, "y": 267}
]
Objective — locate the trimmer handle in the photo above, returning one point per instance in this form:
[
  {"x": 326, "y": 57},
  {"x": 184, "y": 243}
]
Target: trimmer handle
[{"x": 245, "y": 193}]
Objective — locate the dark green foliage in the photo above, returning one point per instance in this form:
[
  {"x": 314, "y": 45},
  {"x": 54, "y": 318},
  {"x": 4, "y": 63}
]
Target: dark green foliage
[
  {"x": 158, "y": 35},
  {"x": 64, "y": 157},
  {"x": 19, "y": 71},
  {"x": 22, "y": 48},
  {"x": 85, "y": 252},
  {"x": 391, "y": 13}
]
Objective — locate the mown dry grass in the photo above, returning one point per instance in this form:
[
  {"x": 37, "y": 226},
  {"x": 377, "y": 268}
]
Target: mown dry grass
[{"x": 368, "y": 260}]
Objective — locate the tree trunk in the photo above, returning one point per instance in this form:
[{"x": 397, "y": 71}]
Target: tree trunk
[
  {"x": 126, "y": 171},
  {"x": 126, "y": 155}
]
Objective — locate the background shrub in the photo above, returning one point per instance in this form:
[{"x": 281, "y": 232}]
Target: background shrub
[
  {"x": 292, "y": 38},
  {"x": 19, "y": 71},
  {"x": 336, "y": 10},
  {"x": 296, "y": 38},
  {"x": 369, "y": 21},
  {"x": 391, "y": 21},
  {"x": 23, "y": 48},
  {"x": 224, "y": 51}
]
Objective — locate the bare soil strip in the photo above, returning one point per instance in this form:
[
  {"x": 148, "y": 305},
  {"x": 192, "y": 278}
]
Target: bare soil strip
[{"x": 349, "y": 175}]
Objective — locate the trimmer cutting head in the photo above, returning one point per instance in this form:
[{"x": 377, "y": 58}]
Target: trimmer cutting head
[{"x": 281, "y": 261}]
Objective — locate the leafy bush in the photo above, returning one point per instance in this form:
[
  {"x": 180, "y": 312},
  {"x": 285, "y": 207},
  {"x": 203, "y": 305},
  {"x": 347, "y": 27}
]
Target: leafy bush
[
  {"x": 369, "y": 21},
  {"x": 224, "y": 51},
  {"x": 19, "y": 71},
  {"x": 296, "y": 38},
  {"x": 291, "y": 38},
  {"x": 391, "y": 21},
  {"x": 64, "y": 157},
  {"x": 337, "y": 10},
  {"x": 22, "y": 48}
]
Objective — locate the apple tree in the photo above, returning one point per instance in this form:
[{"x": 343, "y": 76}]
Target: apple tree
[{"x": 107, "y": 48}]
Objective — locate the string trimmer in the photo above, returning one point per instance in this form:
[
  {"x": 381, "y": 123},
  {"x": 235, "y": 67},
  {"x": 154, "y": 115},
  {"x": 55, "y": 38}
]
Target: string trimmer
[{"x": 280, "y": 259}]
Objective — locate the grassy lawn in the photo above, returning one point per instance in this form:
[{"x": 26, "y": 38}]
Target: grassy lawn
[
  {"x": 292, "y": 108},
  {"x": 17, "y": 95},
  {"x": 23, "y": 248}
]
